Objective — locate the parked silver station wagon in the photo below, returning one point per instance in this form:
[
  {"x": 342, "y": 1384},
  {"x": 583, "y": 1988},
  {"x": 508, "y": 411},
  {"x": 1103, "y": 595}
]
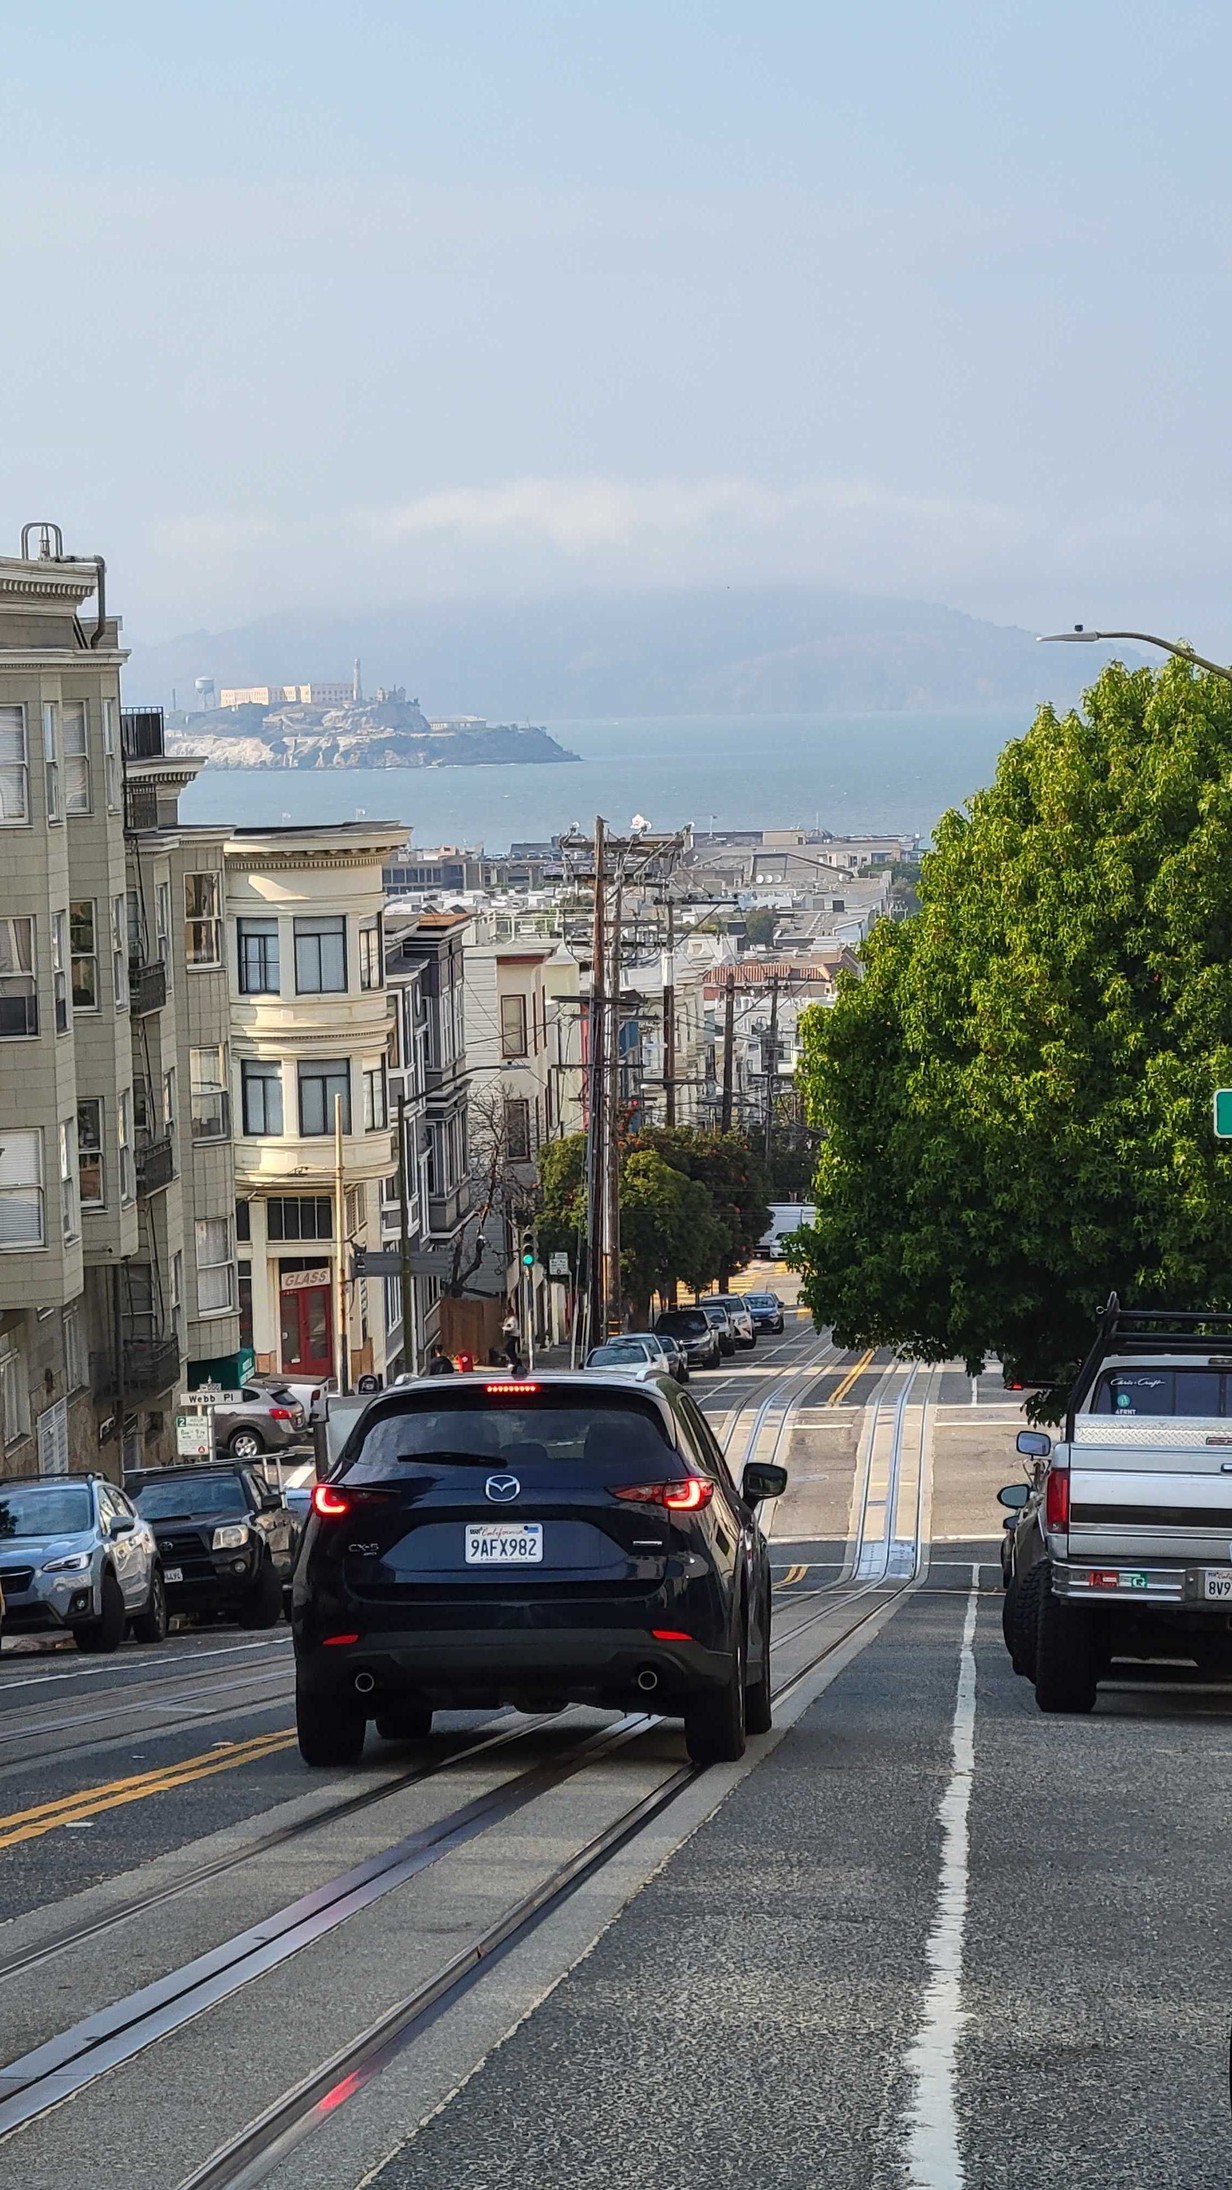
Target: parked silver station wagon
[{"x": 76, "y": 1557}]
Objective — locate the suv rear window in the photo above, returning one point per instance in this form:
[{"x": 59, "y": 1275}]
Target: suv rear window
[
  {"x": 683, "y": 1322},
  {"x": 1147, "y": 1391},
  {"x": 535, "y": 1429}
]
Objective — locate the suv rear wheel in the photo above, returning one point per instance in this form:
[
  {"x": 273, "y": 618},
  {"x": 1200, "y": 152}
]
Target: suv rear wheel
[
  {"x": 330, "y": 1730},
  {"x": 1066, "y": 1657},
  {"x": 408, "y": 1720},
  {"x": 758, "y": 1702},
  {"x": 714, "y": 1723},
  {"x": 245, "y": 1444}
]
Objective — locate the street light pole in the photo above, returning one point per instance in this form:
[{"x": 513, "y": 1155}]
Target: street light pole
[{"x": 1080, "y": 637}]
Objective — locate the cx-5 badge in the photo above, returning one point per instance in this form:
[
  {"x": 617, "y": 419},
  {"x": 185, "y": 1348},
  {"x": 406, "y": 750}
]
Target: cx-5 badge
[{"x": 502, "y": 1489}]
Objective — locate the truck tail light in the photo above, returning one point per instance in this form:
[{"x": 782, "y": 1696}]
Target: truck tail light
[{"x": 1056, "y": 1500}]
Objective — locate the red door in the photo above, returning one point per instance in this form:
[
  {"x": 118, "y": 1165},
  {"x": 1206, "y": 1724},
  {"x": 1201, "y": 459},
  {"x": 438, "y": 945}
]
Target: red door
[{"x": 307, "y": 1331}]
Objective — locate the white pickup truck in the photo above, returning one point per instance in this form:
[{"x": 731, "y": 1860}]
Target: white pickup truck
[{"x": 1123, "y": 1546}]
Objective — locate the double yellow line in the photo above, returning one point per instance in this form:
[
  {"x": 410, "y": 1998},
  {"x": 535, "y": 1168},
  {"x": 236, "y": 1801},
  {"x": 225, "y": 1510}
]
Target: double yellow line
[
  {"x": 839, "y": 1394},
  {"x": 47, "y": 1817},
  {"x": 793, "y": 1574}
]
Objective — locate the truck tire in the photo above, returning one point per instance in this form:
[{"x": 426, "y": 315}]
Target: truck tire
[
  {"x": 1022, "y": 1639},
  {"x": 1067, "y": 1657},
  {"x": 262, "y": 1603}
]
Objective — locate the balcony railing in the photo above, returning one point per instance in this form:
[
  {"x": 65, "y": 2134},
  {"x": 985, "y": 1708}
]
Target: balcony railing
[
  {"x": 155, "y": 1165},
  {"x": 147, "y": 986},
  {"x": 149, "y": 1365},
  {"x": 140, "y": 806},
  {"x": 141, "y": 733}
]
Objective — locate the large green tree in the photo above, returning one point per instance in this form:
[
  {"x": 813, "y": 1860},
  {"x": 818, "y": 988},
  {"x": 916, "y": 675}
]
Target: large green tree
[
  {"x": 1015, "y": 1097},
  {"x": 733, "y": 1175}
]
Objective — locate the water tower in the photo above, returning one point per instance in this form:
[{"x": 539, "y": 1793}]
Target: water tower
[{"x": 206, "y": 697}]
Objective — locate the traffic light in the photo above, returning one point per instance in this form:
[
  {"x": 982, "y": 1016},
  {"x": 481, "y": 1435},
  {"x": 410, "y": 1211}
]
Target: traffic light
[{"x": 528, "y": 1250}]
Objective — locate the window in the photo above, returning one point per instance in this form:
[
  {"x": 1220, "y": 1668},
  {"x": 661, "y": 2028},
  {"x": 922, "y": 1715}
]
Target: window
[
  {"x": 208, "y": 1094},
  {"x": 261, "y": 1090},
  {"x": 135, "y": 916},
  {"x": 74, "y": 1348},
  {"x": 70, "y": 1222},
  {"x": 111, "y": 764},
  {"x": 214, "y": 1265},
  {"x": 169, "y": 1099},
  {"x": 371, "y": 956},
  {"x": 83, "y": 954},
  {"x": 258, "y": 957},
  {"x": 91, "y": 1183},
  {"x": 76, "y": 758},
  {"x": 245, "y": 1303},
  {"x": 177, "y": 1298},
  {"x": 320, "y": 1086},
  {"x": 513, "y": 1026},
  {"x": 299, "y": 1216},
  {"x": 355, "y": 1211},
  {"x": 376, "y": 1107},
  {"x": 14, "y": 1391},
  {"x": 517, "y": 1128},
  {"x": 320, "y": 957},
  {"x": 243, "y": 1220},
  {"x": 21, "y": 1190},
  {"x": 14, "y": 769},
  {"x": 59, "y": 969},
  {"x": 119, "y": 952},
  {"x": 124, "y": 1137},
  {"x": 202, "y": 920},
  {"x": 162, "y": 922},
  {"x": 18, "y": 988},
  {"x": 51, "y": 757}
]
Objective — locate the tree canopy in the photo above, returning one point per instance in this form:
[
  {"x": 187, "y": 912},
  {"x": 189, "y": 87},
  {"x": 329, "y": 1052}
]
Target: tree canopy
[{"x": 1015, "y": 1099}]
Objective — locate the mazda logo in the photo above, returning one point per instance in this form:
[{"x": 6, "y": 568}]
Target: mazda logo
[{"x": 502, "y": 1489}]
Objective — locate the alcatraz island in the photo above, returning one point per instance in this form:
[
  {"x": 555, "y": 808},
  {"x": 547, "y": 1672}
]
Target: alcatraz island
[{"x": 334, "y": 726}]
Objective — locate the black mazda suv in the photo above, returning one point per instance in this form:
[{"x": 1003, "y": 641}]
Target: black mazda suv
[{"x": 533, "y": 1541}]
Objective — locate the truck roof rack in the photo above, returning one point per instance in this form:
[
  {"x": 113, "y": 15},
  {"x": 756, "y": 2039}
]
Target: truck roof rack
[{"x": 1147, "y": 1331}]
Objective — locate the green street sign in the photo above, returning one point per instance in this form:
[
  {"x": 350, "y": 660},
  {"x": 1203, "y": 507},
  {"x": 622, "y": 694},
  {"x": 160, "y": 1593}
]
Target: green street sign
[{"x": 1223, "y": 1114}]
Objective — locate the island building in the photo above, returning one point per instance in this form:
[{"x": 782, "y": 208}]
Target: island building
[{"x": 279, "y": 695}]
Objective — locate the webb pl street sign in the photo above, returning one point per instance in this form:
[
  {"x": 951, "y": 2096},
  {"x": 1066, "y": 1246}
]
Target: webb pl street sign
[{"x": 1223, "y": 1114}]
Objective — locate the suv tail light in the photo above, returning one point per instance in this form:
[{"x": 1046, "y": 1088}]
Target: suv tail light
[
  {"x": 1056, "y": 1499},
  {"x": 329, "y": 1502},
  {"x": 687, "y": 1496},
  {"x": 281, "y": 1414}
]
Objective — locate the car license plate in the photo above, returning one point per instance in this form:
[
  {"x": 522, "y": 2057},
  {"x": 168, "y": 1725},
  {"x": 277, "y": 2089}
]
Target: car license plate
[
  {"x": 521, "y": 1545},
  {"x": 173, "y": 1573},
  {"x": 1217, "y": 1582}
]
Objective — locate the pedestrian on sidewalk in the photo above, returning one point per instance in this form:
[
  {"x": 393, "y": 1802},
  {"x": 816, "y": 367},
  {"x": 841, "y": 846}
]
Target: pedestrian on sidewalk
[
  {"x": 511, "y": 1332},
  {"x": 439, "y": 1363}
]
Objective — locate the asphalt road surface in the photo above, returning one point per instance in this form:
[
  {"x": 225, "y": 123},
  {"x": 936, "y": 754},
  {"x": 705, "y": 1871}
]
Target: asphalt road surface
[{"x": 921, "y": 1937}]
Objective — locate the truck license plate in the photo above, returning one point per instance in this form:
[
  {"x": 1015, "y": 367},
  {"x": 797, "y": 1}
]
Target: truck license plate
[
  {"x": 1217, "y": 1582},
  {"x": 520, "y": 1545},
  {"x": 173, "y": 1573}
]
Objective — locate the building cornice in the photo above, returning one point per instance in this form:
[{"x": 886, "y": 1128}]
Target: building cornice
[{"x": 27, "y": 658}]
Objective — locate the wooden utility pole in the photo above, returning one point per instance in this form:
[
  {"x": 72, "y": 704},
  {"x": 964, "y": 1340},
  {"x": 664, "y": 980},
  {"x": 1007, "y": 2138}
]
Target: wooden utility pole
[
  {"x": 669, "y": 1024},
  {"x": 772, "y": 1063},
  {"x": 613, "y": 1298},
  {"x": 729, "y": 1044},
  {"x": 341, "y": 1334},
  {"x": 596, "y": 1109},
  {"x": 409, "y": 1348}
]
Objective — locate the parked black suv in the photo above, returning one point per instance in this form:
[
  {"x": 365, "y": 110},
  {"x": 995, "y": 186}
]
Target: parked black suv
[
  {"x": 226, "y": 1539},
  {"x": 566, "y": 1538},
  {"x": 694, "y": 1334}
]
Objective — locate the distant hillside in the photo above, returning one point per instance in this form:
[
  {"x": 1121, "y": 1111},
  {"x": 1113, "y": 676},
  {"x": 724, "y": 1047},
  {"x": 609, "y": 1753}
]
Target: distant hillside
[{"x": 769, "y": 651}]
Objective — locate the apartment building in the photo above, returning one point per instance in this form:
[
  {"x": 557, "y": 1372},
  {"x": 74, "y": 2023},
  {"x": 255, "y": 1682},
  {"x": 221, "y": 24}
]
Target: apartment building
[
  {"x": 424, "y": 968},
  {"x": 305, "y": 953},
  {"x": 117, "y": 1275}
]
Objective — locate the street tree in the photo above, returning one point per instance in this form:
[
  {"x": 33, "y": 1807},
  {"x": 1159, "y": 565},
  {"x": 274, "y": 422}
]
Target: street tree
[
  {"x": 733, "y": 1175},
  {"x": 1015, "y": 1098}
]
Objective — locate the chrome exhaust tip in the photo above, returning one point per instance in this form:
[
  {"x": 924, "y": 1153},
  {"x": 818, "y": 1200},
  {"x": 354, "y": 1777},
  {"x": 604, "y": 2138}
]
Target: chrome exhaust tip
[
  {"x": 647, "y": 1680},
  {"x": 364, "y": 1684}
]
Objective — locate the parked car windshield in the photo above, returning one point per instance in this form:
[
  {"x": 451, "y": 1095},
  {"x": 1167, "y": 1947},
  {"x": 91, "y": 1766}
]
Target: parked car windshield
[
  {"x": 185, "y": 1495},
  {"x": 760, "y": 1300},
  {"x": 535, "y": 1429},
  {"x": 54, "y": 1509},
  {"x": 623, "y": 1349}
]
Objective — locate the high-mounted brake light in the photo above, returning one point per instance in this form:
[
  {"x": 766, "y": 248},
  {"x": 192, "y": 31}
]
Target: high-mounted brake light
[
  {"x": 1056, "y": 1499},
  {"x": 328, "y": 1501},
  {"x": 504, "y": 1391},
  {"x": 688, "y": 1496}
]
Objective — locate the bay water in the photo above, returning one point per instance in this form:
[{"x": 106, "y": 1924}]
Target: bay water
[{"x": 839, "y": 772}]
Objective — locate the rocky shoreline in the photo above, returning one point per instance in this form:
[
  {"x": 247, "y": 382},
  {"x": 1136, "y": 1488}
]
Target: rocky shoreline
[{"x": 331, "y": 742}]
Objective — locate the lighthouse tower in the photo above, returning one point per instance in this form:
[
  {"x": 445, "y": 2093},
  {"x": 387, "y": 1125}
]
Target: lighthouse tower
[{"x": 357, "y": 686}]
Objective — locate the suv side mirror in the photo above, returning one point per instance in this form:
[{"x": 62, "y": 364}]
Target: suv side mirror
[
  {"x": 762, "y": 1480},
  {"x": 1014, "y": 1495},
  {"x": 1036, "y": 1444},
  {"x": 120, "y": 1525}
]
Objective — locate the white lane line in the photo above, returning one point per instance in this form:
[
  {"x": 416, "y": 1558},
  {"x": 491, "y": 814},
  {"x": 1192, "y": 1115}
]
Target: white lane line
[
  {"x": 934, "y": 2153},
  {"x": 137, "y": 1665}
]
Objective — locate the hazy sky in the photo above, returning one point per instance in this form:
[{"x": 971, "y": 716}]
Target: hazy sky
[{"x": 307, "y": 300}]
